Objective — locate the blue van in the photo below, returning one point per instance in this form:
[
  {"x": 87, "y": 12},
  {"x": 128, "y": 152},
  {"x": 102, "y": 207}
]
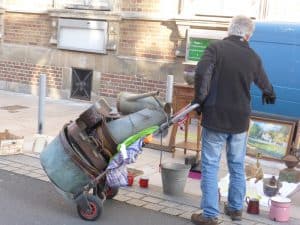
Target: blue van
[{"x": 278, "y": 45}]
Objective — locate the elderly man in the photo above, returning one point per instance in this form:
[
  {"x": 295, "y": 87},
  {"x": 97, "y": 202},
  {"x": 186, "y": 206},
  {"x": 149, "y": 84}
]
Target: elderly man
[{"x": 222, "y": 89}]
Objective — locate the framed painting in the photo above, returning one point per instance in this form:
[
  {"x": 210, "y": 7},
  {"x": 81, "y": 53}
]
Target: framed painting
[{"x": 272, "y": 138}]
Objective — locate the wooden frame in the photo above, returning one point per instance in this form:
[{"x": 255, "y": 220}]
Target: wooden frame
[
  {"x": 297, "y": 139},
  {"x": 269, "y": 136},
  {"x": 297, "y": 142}
]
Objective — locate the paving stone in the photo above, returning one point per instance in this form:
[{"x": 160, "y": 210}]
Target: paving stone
[
  {"x": 186, "y": 208},
  {"x": 225, "y": 218},
  {"x": 186, "y": 215},
  {"x": 121, "y": 198},
  {"x": 18, "y": 165},
  {"x": 30, "y": 168},
  {"x": 263, "y": 218},
  {"x": 9, "y": 168},
  {"x": 152, "y": 200},
  {"x": 169, "y": 204},
  {"x": 136, "y": 202},
  {"x": 123, "y": 192},
  {"x": 171, "y": 211},
  {"x": 2, "y": 165},
  {"x": 225, "y": 223},
  {"x": 44, "y": 178},
  {"x": 290, "y": 222},
  {"x": 135, "y": 195},
  {"x": 20, "y": 171},
  {"x": 294, "y": 221},
  {"x": 33, "y": 175},
  {"x": 6, "y": 162},
  {"x": 154, "y": 207},
  {"x": 244, "y": 222},
  {"x": 39, "y": 171}
]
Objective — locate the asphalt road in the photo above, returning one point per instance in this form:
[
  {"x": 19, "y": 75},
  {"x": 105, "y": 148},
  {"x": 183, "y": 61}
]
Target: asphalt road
[{"x": 27, "y": 201}]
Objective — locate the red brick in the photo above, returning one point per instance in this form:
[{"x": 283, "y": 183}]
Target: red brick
[
  {"x": 131, "y": 83},
  {"x": 30, "y": 29},
  {"x": 29, "y": 73}
]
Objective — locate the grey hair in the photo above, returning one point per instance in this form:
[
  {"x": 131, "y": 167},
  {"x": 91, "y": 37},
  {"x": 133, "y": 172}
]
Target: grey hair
[{"x": 241, "y": 26}]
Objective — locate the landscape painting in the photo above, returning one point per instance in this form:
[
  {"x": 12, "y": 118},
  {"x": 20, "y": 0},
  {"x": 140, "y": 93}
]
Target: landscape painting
[{"x": 271, "y": 138}]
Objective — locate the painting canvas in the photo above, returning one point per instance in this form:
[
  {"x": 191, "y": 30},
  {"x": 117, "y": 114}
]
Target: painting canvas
[{"x": 271, "y": 138}]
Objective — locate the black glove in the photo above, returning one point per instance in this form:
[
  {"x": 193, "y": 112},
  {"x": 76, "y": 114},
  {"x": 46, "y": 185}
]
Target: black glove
[
  {"x": 268, "y": 98},
  {"x": 199, "y": 108}
]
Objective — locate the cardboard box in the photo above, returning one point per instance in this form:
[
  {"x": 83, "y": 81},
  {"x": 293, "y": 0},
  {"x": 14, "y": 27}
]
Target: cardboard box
[{"x": 10, "y": 144}]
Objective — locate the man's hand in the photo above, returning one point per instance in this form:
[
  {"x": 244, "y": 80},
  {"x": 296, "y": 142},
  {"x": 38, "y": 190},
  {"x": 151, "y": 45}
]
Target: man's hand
[
  {"x": 268, "y": 98},
  {"x": 198, "y": 109}
]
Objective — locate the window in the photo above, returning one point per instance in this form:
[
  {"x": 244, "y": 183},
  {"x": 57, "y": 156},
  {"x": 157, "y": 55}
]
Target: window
[
  {"x": 91, "y": 35},
  {"x": 221, "y": 7},
  {"x": 28, "y": 5},
  {"x": 282, "y": 10},
  {"x": 44, "y": 5},
  {"x": 271, "y": 10},
  {"x": 84, "y": 4}
]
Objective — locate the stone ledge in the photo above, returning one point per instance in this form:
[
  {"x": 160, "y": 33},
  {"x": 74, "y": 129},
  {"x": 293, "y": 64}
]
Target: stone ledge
[{"x": 84, "y": 14}]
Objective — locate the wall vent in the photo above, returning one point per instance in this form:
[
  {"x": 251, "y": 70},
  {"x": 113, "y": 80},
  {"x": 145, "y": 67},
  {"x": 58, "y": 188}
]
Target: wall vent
[{"x": 81, "y": 84}]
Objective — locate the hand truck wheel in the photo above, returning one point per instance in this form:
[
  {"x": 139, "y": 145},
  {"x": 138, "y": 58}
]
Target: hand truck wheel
[
  {"x": 109, "y": 192},
  {"x": 96, "y": 208}
]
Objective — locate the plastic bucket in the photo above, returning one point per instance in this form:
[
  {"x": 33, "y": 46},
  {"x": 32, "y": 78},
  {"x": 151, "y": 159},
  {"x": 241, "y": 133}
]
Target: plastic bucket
[{"x": 174, "y": 177}]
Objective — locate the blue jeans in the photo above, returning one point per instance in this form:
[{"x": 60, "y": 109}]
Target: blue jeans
[{"x": 212, "y": 145}]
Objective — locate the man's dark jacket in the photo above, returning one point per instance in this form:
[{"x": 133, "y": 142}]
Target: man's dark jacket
[{"x": 222, "y": 84}]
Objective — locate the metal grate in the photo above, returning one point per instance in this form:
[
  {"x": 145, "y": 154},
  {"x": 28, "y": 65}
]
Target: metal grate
[{"x": 81, "y": 84}]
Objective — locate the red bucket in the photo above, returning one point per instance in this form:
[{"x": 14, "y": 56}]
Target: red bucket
[
  {"x": 130, "y": 178},
  {"x": 144, "y": 182}
]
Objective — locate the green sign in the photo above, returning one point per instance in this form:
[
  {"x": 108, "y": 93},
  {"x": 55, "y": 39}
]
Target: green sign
[{"x": 196, "y": 48}]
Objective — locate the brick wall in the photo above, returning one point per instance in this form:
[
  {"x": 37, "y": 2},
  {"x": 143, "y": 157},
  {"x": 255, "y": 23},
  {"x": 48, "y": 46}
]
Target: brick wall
[
  {"x": 112, "y": 84},
  {"x": 32, "y": 29},
  {"x": 26, "y": 73},
  {"x": 146, "y": 39}
]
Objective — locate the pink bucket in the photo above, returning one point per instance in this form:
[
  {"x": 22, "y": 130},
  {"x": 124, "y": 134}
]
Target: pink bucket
[{"x": 279, "y": 209}]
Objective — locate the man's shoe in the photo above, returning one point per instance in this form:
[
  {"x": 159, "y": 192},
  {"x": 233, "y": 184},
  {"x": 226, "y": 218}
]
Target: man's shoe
[
  {"x": 199, "y": 219},
  {"x": 235, "y": 215}
]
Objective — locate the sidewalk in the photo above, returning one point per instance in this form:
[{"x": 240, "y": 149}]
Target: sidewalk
[{"x": 22, "y": 120}]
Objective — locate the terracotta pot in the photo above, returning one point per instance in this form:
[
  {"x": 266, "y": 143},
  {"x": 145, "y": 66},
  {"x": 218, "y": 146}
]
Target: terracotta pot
[{"x": 290, "y": 161}]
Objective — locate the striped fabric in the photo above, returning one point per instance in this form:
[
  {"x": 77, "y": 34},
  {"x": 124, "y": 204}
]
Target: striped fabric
[{"x": 116, "y": 175}]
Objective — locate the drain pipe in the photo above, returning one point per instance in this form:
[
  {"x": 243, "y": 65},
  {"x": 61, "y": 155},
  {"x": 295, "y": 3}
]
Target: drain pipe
[{"x": 41, "y": 108}]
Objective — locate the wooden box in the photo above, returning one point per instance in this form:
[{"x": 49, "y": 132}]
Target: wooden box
[{"x": 10, "y": 144}]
